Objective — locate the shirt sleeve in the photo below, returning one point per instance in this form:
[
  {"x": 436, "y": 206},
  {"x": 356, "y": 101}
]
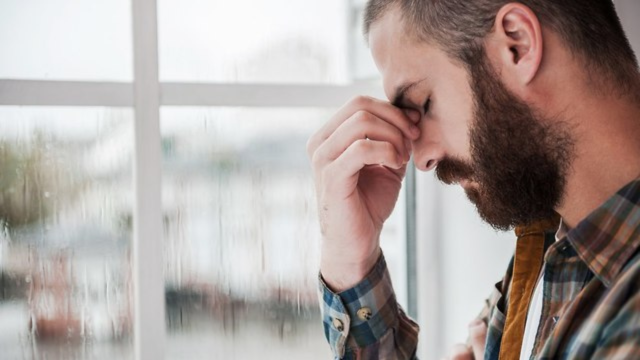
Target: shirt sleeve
[{"x": 366, "y": 322}]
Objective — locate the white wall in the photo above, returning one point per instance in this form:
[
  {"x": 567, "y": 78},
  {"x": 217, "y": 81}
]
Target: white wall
[
  {"x": 474, "y": 258},
  {"x": 460, "y": 259},
  {"x": 629, "y": 12}
]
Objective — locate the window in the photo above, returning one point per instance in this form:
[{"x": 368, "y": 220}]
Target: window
[
  {"x": 66, "y": 40},
  {"x": 253, "y": 41},
  {"x": 65, "y": 195},
  {"x": 241, "y": 236},
  {"x": 174, "y": 206}
]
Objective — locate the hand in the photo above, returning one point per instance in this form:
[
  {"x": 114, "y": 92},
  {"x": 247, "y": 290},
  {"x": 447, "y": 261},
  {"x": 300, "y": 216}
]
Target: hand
[
  {"x": 359, "y": 160},
  {"x": 477, "y": 338}
]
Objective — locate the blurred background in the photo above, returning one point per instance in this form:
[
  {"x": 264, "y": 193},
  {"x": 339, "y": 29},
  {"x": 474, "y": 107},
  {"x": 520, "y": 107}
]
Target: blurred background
[{"x": 242, "y": 85}]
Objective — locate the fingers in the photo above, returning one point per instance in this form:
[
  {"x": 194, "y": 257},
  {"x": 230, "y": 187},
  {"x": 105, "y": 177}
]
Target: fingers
[
  {"x": 378, "y": 108},
  {"x": 477, "y": 338},
  {"x": 460, "y": 352},
  {"x": 362, "y": 125},
  {"x": 360, "y": 154}
]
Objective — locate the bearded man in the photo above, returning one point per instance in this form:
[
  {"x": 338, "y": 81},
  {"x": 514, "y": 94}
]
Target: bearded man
[{"x": 533, "y": 107}]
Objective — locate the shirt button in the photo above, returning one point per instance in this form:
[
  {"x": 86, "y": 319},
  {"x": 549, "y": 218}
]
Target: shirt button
[
  {"x": 337, "y": 324},
  {"x": 364, "y": 314}
]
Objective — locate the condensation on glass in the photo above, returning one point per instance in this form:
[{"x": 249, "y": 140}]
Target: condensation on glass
[
  {"x": 65, "y": 234},
  {"x": 241, "y": 234},
  {"x": 66, "y": 40},
  {"x": 255, "y": 41}
]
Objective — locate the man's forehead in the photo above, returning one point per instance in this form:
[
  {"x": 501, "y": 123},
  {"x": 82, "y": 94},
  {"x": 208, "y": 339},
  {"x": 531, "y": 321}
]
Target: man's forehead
[
  {"x": 400, "y": 61},
  {"x": 387, "y": 30}
]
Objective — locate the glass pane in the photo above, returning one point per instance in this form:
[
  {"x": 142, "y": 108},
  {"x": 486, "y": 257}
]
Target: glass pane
[
  {"x": 362, "y": 64},
  {"x": 65, "y": 239},
  {"x": 66, "y": 40},
  {"x": 242, "y": 236},
  {"x": 281, "y": 41}
]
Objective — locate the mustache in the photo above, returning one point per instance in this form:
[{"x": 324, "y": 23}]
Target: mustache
[{"x": 451, "y": 170}]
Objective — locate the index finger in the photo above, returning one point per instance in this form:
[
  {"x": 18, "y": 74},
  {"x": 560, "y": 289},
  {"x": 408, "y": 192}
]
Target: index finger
[{"x": 379, "y": 108}]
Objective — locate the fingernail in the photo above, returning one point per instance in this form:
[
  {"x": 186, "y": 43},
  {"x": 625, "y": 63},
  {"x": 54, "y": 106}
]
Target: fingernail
[
  {"x": 415, "y": 131},
  {"x": 413, "y": 116}
]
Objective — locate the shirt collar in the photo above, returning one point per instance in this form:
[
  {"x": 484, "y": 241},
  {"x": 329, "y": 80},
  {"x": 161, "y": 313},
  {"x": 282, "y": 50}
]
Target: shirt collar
[
  {"x": 562, "y": 231},
  {"x": 610, "y": 235}
]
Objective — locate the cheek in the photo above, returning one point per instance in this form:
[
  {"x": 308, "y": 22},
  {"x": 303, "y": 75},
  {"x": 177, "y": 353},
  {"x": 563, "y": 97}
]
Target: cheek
[
  {"x": 453, "y": 110},
  {"x": 454, "y": 119}
]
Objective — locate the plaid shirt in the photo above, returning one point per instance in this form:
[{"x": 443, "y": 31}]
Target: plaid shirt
[{"x": 591, "y": 297}]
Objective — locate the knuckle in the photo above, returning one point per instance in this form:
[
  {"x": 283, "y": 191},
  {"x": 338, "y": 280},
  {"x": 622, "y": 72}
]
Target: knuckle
[
  {"x": 316, "y": 159},
  {"x": 361, "y": 146},
  {"x": 389, "y": 147},
  {"x": 362, "y": 116},
  {"x": 361, "y": 101},
  {"x": 310, "y": 146}
]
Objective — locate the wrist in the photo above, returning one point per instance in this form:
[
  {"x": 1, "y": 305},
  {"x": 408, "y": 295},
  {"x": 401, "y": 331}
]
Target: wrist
[{"x": 340, "y": 275}]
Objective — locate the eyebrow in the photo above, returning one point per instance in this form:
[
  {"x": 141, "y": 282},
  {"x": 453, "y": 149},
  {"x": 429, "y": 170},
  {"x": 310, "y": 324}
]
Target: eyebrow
[{"x": 400, "y": 99}]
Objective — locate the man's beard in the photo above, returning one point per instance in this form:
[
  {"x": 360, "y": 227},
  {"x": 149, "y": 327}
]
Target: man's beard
[{"x": 519, "y": 159}]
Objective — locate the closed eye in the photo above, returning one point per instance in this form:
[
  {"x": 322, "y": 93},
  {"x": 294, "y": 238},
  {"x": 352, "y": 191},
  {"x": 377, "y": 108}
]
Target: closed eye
[{"x": 426, "y": 106}]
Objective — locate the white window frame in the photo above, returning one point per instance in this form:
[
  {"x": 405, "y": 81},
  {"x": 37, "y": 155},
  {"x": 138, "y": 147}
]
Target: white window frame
[{"x": 146, "y": 95}]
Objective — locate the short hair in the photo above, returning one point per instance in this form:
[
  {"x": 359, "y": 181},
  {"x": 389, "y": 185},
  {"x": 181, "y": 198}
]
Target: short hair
[{"x": 590, "y": 28}]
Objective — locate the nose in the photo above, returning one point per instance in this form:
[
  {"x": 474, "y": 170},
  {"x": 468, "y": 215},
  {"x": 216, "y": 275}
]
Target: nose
[{"x": 428, "y": 149}]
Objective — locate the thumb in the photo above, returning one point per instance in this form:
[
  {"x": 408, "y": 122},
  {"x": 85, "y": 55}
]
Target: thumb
[{"x": 477, "y": 338}]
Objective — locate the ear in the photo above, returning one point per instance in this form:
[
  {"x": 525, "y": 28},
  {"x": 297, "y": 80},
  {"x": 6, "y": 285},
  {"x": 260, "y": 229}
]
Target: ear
[{"x": 516, "y": 44}]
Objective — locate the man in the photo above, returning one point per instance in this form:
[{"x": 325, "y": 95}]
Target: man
[{"x": 532, "y": 107}]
